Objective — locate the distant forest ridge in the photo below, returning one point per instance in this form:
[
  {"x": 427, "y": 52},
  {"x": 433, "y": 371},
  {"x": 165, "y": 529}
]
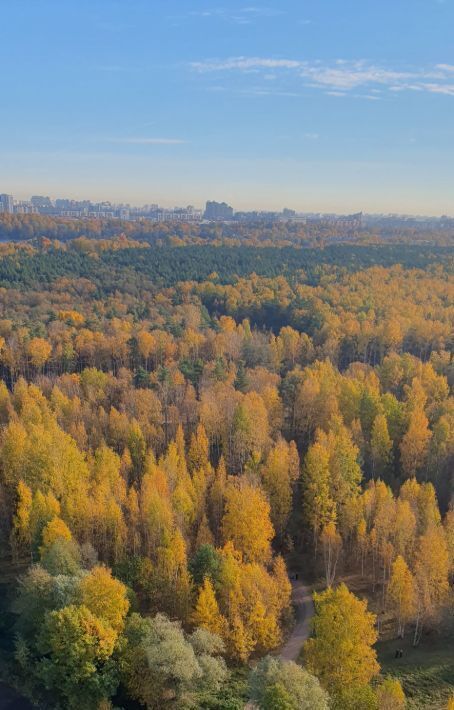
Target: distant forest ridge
[
  {"x": 166, "y": 266},
  {"x": 24, "y": 227}
]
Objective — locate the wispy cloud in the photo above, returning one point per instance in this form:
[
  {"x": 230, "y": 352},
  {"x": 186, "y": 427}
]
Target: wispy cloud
[
  {"x": 267, "y": 92},
  {"x": 260, "y": 11},
  {"x": 446, "y": 89},
  {"x": 341, "y": 77},
  {"x": 147, "y": 141},
  {"x": 445, "y": 67},
  {"x": 242, "y": 16},
  {"x": 245, "y": 64},
  {"x": 350, "y": 75}
]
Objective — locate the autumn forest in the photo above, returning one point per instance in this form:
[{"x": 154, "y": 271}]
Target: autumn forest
[{"x": 198, "y": 423}]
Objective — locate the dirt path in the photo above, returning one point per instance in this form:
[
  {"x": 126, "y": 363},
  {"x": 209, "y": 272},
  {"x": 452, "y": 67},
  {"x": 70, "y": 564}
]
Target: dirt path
[{"x": 304, "y": 611}]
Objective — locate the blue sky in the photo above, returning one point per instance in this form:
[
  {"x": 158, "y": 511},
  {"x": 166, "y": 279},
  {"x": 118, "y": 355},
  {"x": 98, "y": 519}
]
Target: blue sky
[{"x": 331, "y": 105}]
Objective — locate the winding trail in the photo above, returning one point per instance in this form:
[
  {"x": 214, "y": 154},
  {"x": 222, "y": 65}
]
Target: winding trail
[{"x": 304, "y": 611}]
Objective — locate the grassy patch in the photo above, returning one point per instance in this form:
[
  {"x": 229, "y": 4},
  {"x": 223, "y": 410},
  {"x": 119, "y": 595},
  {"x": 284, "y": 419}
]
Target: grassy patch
[{"x": 426, "y": 672}]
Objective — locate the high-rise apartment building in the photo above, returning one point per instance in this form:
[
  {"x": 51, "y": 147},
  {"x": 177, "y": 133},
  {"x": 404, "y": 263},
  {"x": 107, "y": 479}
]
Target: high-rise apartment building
[
  {"x": 6, "y": 203},
  {"x": 41, "y": 202},
  {"x": 218, "y": 211}
]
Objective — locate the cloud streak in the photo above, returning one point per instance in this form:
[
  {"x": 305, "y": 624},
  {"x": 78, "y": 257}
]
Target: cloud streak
[
  {"x": 245, "y": 64},
  {"x": 341, "y": 77},
  {"x": 241, "y": 16}
]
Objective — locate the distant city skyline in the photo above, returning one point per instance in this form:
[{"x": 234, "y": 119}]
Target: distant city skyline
[
  {"x": 315, "y": 104},
  {"x": 42, "y": 204}
]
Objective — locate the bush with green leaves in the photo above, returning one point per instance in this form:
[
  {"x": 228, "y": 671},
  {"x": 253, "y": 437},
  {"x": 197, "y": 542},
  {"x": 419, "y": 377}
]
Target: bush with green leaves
[
  {"x": 163, "y": 666},
  {"x": 287, "y": 685}
]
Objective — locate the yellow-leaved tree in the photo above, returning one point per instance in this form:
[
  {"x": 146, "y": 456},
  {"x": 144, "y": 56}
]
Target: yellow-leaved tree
[
  {"x": 206, "y": 613},
  {"x": 105, "y": 597},
  {"x": 319, "y": 507},
  {"x": 56, "y": 529},
  {"x": 415, "y": 443},
  {"x": 390, "y": 695},
  {"x": 331, "y": 545},
  {"x": 432, "y": 577},
  {"x": 341, "y": 652},
  {"x": 246, "y": 521},
  {"x": 39, "y": 351},
  {"x": 402, "y": 594},
  {"x": 279, "y": 473},
  {"x": 20, "y": 537},
  {"x": 381, "y": 446}
]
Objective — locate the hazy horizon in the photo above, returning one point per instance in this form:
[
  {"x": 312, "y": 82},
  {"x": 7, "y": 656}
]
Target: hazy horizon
[{"x": 168, "y": 203}]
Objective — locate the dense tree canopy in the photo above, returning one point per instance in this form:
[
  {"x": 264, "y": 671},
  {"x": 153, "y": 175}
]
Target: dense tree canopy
[{"x": 180, "y": 417}]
